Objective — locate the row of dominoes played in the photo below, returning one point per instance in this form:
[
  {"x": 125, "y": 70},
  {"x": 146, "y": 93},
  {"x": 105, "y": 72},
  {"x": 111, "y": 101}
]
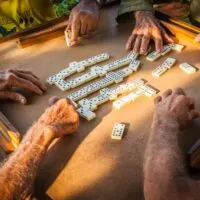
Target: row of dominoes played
[
  {"x": 97, "y": 71},
  {"x": 166, "y": 49},
  {"x": 169, "y": 63},
  {"x": 111, "y": 77},
  {"x": 77, "y": 67},
  {"x": 144, "y": 90},
  {"x": 106, "y": 94},
  {"x": 166, "y": 65}
]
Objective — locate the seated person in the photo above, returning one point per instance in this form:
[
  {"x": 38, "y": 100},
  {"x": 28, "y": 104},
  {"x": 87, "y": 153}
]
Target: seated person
[
  {"x": 58, "y": 120},
  {"x": 165, "y": 170}
]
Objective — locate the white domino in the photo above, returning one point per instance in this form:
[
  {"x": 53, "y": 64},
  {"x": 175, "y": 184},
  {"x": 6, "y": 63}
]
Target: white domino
[
  {"x": 153, "y": 56},
  {"x": 158, "y": 71},
  {"x": 134, "y": 65},
  {"x": 118, "y": 104},
  {"x": 148, "y": 90},
  {"x": 85, "y": 113},
  {"x": 68, "y": 37},
  {"x": 177, "y": 47},
  {"x": 132, "y": 55},
  {"x": 62, "y": 84},
  {"x": 187, "y": 68},
  {"x": 118, "y": 131},
  {"x": 166, "y": 49},
  {"x": 77, "y": 67},
  {"x": 169, "y": 63},
  {"x": 161, "y": 69}
]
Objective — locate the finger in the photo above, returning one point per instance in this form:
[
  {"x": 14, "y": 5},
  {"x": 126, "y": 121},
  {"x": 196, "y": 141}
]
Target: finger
[
  {"x": 191, "y": 104},
  {"x": 16, "y": 81},
  {"x": 90, "y": 26},
  {"x": 137, "y": 44},
  {"x": 167, "y": 93},
  {"x": 193, "y": 114},
  {"x": 90, "y": 35},
  {"x": 26, "y": 72},
  {"x": 53, "y": 100},
  {"x": 167, "y": 39},
  {"x": 179, "y": 91},
  {"x": 69, "y": 25},
  {"x": 129, "y": 44},
  {"x": 83, "y": 27},
  {"x": 75, "y": 29},
  {"x": 144, "y": 44},
  {"x": 32, "y": 79},
  {"x": 197, "y": 38},
  {"x": 158, "y": 41},
  {"x": 157, "y": 100},
  {"x": 5, "y": 95}
]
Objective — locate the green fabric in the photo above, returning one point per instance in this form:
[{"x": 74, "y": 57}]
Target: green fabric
[
  {"x": 16, "y": 15},
  {"x": 127, "y": 7}
]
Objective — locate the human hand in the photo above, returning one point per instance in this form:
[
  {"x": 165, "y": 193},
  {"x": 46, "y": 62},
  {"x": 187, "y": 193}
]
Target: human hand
[
  {"x": 61, "y": 117},
  {"x": 21, "y": 79},
  {"x": 83, "y": 19},
  {"x": 147, "y": 27},
  {"x": 175, "y": 106}
]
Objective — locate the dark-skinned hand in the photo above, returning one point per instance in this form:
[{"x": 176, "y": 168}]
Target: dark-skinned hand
[
  {"x": 19, "y": 79},
  {"x": 147, "y": 27},
  {"x": 83, "y": 20}
]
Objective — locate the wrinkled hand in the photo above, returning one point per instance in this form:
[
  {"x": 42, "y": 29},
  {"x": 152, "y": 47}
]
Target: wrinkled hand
[
  {"x": 61, "y": 118},
  {"x": 83, "y": 19},
  {"x": 147, "y": 27},
  {"x": 175, "y": 106},
  {"x": 20, "y": 79}
]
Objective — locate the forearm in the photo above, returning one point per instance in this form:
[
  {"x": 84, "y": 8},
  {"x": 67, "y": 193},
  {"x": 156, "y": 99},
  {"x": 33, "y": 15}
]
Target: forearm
[
  {"x": 19, "y": 172},
  {"x": 165, "y": 171}
]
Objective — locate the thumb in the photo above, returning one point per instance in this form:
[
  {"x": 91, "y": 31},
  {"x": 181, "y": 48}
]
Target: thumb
[
  {"x": 193, "y": 114},
  {"x": 14, "y": 96}
]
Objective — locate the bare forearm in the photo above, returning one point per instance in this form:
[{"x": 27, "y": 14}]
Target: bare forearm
[
  {"x": 165, "y": 169},
  {"x": 18, "y": 173}
]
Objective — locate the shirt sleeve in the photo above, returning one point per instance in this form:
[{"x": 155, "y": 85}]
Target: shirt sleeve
[{"x": 129, "y": 6}]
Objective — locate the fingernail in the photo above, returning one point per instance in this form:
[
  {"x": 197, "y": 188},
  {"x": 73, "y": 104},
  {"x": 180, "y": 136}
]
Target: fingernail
[{"x": 23, "y": 101}]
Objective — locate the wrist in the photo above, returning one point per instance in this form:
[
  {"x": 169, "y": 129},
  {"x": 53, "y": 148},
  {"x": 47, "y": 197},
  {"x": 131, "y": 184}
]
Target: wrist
[
  {"x": 165, "y": 122},
  {"x": 41, "y": 134},
  {"x": 98, "y": 3},
  {"x": 143, "y": 13}
]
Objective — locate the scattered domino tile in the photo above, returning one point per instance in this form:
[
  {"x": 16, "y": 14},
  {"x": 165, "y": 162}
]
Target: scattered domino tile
[
  {"x": 187, "y": 68},
  {"x": 166, "y": 49},
  {"x": 86, "y": 114},
  {"x": 177, "y": 47},
  {"x": 68, "y": 37},
  {"x": 153, "y": 56},
  {"x": 161, "y": 69},
  {"x": 118, "y": 131},
  {"x": 148, "y": 90},
  {"x": 132, "y": 55},
  {"x": 134, "y": 65}
]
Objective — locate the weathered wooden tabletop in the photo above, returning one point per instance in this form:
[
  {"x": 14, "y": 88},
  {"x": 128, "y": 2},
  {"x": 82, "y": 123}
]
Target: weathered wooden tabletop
[{"x": 89, "y": 165}]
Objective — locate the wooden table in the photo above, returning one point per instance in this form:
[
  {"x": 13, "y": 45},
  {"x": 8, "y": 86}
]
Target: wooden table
[{"x": 89, "y": 165}]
